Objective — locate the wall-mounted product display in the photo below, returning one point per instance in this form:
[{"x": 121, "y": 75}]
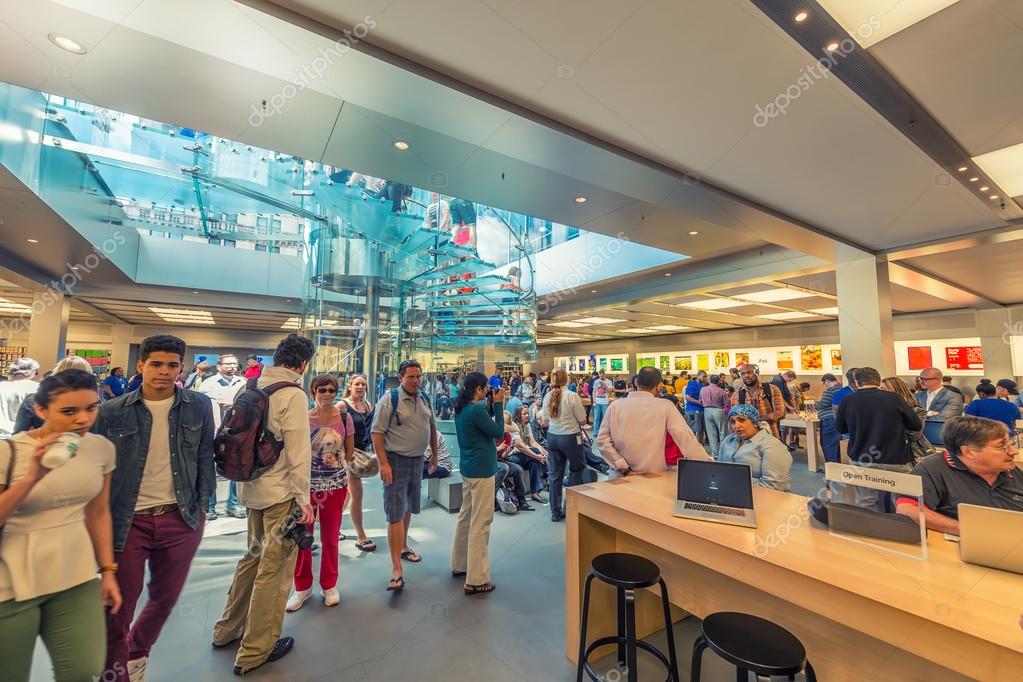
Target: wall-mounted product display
[
  {"x": 98, "y": 359},
  {"x": 612, "y": 364},
  {"x": 9, "y": 354},
  {"x": 955, "y": 357}
]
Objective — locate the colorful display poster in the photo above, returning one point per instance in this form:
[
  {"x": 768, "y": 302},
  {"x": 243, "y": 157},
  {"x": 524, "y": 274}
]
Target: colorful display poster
[
  {"x": 702, "y": 361},
  {"x": 665, "y": 362},
  {"x": 836, "y": 358},
  {"x": 602, "y": 363},
  {"x": 964, "y": 357},
  {"x": 920, "y": 357},
  {"x": 617, "y": 365},
  {"x": 785, "y": 359},
  {"x": 741, "y": 359},
  {"x": 645, "y": 362},
  {"x": 721, "y": 359},
  {"x": 683, "y": 363},
  {"x": 811, "y": 357}
]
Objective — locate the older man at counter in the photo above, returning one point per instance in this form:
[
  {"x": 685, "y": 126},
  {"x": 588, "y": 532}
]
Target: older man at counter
[{"x": 977, "y": 467}]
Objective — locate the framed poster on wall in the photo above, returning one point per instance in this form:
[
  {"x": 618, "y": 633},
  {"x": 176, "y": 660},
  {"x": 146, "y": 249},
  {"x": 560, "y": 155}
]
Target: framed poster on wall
[
  {"x": 741, "y": 359},
  {"x": 683, "y": 363},
  {"x": 617, "y": 365},
  {"x": 645, "y": 362},
  {"x": 665, "y": 362},
  {"x": 703, "y": 361},
  {"x": 785, "y": 359},
  {"x": 721, "y": 359},
  {"x": 964, "y": 357},
  {"x": 919, "y": 357},
  {"x": 811, "y": 357},
  {"x": 836, "y": 358}
]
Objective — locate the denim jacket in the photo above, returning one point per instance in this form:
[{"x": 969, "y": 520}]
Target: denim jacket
[{"x": 127, "y": 423}]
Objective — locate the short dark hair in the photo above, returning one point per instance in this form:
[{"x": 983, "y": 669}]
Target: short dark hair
[
  {"x": 293, "y": 350},
  {"x": 162, "y": 343},
  {"x": 115, "y": 370},
  {"x": 405, "y": 364},
  {"x": 828, "y": 377},
  {"x": 647, "y": 378},
  {"x": 948, "y": 380},
  {"x": 849, "y": 375},
  {"x": 323, "y": 380},
  {"x": 251, "y": 356},
  {"x": 64, "y": 382},
  {"x": 866, "y": 376},
  {"x": 985, "y": 388},
  {"x": 970, "y": 431},
  {"x": 805, "y": 386},
  {"x": 220, "y": 359}
]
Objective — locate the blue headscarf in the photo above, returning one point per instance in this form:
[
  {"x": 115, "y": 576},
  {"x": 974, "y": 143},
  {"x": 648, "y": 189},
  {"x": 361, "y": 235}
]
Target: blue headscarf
[{"x": 746, "y": 411}]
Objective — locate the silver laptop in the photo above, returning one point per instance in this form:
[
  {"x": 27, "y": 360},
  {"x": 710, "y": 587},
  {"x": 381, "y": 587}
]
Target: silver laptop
[
  {"x": 715, "y": 491},
  {"x": 991, "y": 537}
]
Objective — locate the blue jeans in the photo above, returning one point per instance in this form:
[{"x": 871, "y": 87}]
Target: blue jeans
[
  {"x": 232, "y": 498},
  {"x": 598, "y": 417},
  {"x": 830, "y": 439},
  {"x": 534, "y": 467},
  {"x": 714, "y": 425}
]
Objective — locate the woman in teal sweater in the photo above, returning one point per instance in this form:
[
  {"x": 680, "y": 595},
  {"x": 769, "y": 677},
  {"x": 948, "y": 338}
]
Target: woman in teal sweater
[{"x": 477, "y": 427}]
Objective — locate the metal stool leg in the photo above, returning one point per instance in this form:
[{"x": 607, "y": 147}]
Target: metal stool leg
[
  {"x": 811, "y": 676},
  {"x": 741, "y": 675},
  {"x": 669, "y": 631},
  {"x": 621, "y": 627},
  {"x": 630, "y": 635},
  {"x": 698, "y": 646},
  {"x": 582, "y": 629}
]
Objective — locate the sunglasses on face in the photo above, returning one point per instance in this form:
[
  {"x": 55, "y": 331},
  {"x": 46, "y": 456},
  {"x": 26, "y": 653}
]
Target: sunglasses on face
[{"x": 326, "y": 389}]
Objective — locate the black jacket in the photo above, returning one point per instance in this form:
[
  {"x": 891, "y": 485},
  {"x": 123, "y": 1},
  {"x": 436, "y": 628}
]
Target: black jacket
[{"x": 877, "y": 423}]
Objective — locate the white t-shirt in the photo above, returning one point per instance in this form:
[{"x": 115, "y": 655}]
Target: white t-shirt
[
  {"x": 601, "y": 391},
  {"x": 570, "y": 413},
  {"x": 157, "y": 485},
  {"x": 12, "y": 395}
]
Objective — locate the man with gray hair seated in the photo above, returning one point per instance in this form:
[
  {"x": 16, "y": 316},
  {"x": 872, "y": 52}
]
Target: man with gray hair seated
[{"x": 23, "y": 374}]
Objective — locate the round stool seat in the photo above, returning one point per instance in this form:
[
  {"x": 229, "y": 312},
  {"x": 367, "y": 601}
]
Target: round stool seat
[
  {"x": 753, "y": 643},
  {"x": 625, "y": 570}
]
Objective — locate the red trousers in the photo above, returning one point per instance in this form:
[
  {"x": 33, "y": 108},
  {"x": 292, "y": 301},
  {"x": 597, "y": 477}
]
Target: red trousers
[{"x": 327, "y": 507}]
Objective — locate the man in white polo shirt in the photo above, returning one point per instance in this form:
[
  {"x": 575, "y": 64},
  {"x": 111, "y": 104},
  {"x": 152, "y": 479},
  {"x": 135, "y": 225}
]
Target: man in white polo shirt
[
  {"x": 633, "y": 432},
  {"x": 222, "y": 388}
]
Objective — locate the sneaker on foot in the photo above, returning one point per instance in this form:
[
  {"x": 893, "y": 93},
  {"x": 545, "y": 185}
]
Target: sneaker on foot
[
  {"x": 137, "y": 669},
  {"x": 297, "y": 599},
  {"x": 331, "y": 597},
  {"x": 212, "y": 515}
]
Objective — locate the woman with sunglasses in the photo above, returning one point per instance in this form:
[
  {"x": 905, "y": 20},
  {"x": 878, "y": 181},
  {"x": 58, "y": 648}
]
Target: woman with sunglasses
[
  {"x": 333, "y": 441},
  {"x": 57, "y": 535},
  {"x": 753, "y": 443},
  {"x": 361, "y": 411}
]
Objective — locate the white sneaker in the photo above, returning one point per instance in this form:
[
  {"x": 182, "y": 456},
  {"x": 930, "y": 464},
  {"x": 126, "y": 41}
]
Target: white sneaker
[
  {"x": 297, "y": 599},
  {"x": 331, "y": 597},
  {"x": 137, "y": 669}
]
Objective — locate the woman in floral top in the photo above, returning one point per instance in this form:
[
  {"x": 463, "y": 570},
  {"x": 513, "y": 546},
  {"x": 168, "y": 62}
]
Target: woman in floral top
[{"x": 333, "y": 441}]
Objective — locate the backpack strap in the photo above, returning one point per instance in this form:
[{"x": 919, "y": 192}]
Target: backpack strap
[
  {"x": 273, "y": 388},
  {"x": 394, "y": 402}
]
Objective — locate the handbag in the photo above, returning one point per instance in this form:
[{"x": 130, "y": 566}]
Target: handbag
[
  {"x": 10, "y": 473},
  {"x": 364, "y": 464}
]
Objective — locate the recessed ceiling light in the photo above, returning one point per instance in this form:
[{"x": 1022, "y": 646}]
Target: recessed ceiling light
[
  {"x": 669, "y": 328},
  {"x": 65, "y": 43},
  {"x": 195, "y": 292},
  {"x": 974, "y": 179},
  {"x": 598, "y": 320},
  {"x": 993, "y": 196},
  {"x": 962, "y": 169},
  {"x": 667, "y": 274},
  {"x": 183, "y": 315},
  {"x": 801, "y": 16},
  {"x": 825, "y": 311},
  {"x": 637, "y": 330},
  {"x": 791, "y": 315},
  {"x": 593, "y": 291},
  {"x": 772, "y": 295},
  {"x": 580, "y": 200},
  {"x": 567, "y": 324},
  {"x": 693, "y": 233},
  {"x": 832, "y": 47},
  {"x": 32, "y": 241},
  {"x": 9, "y": 306},
  {"x": 984, "y": 188},
  {"x": 401, "y": 145},
  {"x": 714, "y": 304}
]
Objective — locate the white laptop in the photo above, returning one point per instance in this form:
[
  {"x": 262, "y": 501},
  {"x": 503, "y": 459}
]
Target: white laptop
[
  {"x": 991, "y": 537},
  {"x": 715, "y": 491}
]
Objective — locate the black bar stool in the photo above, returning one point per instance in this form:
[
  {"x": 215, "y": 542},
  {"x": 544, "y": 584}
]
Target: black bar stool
[
  {"x": 751, "y": 644},
  {"x": 626, "y": 573}
]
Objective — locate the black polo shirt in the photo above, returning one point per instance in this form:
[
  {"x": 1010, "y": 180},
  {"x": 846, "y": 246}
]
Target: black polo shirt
[{"x": 947, "y": 483}]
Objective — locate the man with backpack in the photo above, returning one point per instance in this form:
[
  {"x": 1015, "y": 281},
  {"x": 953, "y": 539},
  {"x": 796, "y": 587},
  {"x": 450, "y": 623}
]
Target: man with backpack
[
  {"x": 767, "y": 397},
  {"x": 276, "y": 499},
  {"x": 163, "y": 436},
  {"x": 403, "y": 429}
]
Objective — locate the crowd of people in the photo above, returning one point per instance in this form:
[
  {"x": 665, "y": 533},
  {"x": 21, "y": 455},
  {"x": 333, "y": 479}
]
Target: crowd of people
[{"x": 134, "y": 469}]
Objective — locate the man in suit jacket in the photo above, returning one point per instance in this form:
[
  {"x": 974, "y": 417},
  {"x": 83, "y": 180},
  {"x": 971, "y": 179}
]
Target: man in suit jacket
[{"x": 941, "y": 403}]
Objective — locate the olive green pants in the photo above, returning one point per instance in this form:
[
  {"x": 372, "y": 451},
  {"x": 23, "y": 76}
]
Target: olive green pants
[{"x": 73, "y": 629}]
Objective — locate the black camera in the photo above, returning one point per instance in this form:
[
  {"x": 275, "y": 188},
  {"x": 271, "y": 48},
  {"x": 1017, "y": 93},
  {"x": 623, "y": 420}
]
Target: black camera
[{"x": 298, "y": 532}]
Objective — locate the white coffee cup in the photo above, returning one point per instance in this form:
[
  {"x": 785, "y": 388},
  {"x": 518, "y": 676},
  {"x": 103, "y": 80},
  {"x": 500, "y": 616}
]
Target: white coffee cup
[{"x": 61, "y": 450}]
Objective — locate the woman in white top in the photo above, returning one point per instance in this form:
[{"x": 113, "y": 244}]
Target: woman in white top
[
  {"x": 57, "y": 536},
  {"x": 562, "y": 415}
]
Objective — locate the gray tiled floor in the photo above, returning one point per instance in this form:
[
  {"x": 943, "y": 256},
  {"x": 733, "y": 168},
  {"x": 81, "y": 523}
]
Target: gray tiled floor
[{"x": 431, "y": 631}]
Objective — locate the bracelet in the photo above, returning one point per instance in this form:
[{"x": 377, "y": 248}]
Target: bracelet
[{"x": 109, "y": 568}]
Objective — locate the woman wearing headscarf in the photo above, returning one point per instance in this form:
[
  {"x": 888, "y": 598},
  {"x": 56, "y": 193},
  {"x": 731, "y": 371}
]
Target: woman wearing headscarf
[{"x": 753, "y": 443}]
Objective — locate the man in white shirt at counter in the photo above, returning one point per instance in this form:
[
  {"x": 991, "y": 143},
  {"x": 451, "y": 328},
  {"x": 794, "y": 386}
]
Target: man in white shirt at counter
[{"x": 633, "y": 431}]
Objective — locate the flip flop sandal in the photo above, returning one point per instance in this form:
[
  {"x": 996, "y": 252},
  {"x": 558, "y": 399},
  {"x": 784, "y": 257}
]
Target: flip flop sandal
[
  {"x": 411, "y": 557},
  {"x": 480, "y": 589},
  {"x": 396, "y": 584},
  {"x": 457, "y": 574},
  {"x": 366, "y": 546},
  {"x": 342, "y": 537}
]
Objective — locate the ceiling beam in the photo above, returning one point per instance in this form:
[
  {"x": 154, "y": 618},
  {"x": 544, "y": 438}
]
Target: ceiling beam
[{"x": 927, "y": 283}]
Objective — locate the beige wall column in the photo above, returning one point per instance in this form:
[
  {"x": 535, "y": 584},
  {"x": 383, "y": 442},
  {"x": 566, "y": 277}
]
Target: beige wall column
[
  {"x": 120, "y": 345},
  {"x": 47, "y": 335},
  {"x": 864, "y": 310},
  {"x": 994, "y": 327}
]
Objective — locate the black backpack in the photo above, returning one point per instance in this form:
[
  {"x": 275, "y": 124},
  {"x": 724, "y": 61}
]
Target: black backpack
[{"x": 244, "y": 447}]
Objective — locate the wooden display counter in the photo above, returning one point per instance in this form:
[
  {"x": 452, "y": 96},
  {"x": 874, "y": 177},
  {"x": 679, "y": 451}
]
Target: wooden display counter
[{"x": 862, "y": 613}]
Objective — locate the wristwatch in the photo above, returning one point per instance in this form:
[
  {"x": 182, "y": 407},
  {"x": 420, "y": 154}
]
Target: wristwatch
[{"x": 109, "y": 568}]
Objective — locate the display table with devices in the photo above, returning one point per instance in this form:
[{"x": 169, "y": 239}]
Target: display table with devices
[{"x": 863, "y": 613}]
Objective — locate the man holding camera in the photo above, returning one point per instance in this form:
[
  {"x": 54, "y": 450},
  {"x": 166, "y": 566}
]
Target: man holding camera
[{"x": 276, "y": 502}]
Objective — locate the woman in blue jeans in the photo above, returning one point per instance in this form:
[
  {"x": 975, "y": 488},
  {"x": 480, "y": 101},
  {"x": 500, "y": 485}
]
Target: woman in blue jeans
[
  {"x": 528, "y": 453},
  {"x": 562, "y": 415}
]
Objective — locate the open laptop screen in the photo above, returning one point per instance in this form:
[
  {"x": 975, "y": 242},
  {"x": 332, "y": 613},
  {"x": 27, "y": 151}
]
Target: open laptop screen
[{"x": 721, "y": 483}]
